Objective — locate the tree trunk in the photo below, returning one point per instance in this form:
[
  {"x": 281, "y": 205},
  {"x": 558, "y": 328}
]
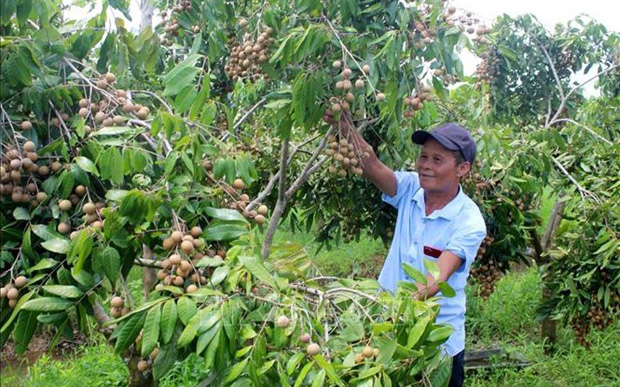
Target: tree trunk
[
  {"x": 548, "y": 328},
  {"x": 146, "y": 14},
  {"x": 280, "y": 204}
]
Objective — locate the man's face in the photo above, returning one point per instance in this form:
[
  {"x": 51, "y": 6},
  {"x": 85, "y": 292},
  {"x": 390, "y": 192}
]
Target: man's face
[{"x": 438, "y": 169}]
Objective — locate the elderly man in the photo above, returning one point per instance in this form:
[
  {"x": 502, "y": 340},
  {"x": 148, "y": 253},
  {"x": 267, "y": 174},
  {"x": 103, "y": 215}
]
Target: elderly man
[{"x": 436, "y": 221}]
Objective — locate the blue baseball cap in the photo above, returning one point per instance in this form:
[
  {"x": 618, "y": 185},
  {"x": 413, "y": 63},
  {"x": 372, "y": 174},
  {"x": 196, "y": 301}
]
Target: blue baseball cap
[{"x": 451, "y": 136}]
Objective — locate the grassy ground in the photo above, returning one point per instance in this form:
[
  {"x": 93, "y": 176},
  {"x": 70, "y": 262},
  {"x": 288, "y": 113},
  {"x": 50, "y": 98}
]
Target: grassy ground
[{"x": 506, "y": 320}]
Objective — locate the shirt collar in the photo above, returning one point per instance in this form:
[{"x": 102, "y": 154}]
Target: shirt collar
[{"x": 449, "y": 211}]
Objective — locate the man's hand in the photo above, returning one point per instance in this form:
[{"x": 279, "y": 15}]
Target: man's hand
[{"x": 448, "y": 263}]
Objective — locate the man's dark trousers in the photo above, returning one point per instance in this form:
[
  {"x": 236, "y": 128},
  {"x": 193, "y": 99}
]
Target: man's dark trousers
[{"x": 457, "y": 379}]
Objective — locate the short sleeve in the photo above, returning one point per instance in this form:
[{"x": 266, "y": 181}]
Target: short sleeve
[
  {"x": 467, "y": 238},
  {"x": 407, "y": 183}
]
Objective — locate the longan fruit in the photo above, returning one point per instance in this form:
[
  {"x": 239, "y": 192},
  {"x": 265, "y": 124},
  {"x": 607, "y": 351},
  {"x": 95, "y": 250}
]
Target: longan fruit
[
  {"x": 260, "y": 219},
  {"x": 177, "y": 236},
  {"x": 262, "y": 209},
  {"x": 21, "y": 281},
  {"x": 117, "y": 302},
  {"x": 313, "y": 349},
  {"x": 367, "y": 352},
  {"x": 238, "y": 184},
  {"x": 191, "y": 288},
  {"x": 283, "y": 321},
  {"x": 26, "y": 125},
  {"x": 29, "y": 146},
  {"x": 187, "y": 246},
  {"x": 142, "y": 365},
  {"x": 12, "y": 294},
  {"x": 337, "y": 64},
  {"x": 63, "y": 228}
]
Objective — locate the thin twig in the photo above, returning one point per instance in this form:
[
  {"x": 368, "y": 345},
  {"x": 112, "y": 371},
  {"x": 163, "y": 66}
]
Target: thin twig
[
  {"x": 582, "y": 191},
  {"x": 586, "y": 128}
]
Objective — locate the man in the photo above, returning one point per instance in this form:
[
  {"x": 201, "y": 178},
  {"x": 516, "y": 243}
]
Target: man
[{"x": 436, "y": 221}]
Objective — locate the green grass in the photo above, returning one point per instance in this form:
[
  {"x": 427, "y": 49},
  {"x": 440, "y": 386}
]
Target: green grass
[
  {"x": 357, "y": 259},
  {"x": 507, "y": 320},
  {"x": 92, "y": 365}
]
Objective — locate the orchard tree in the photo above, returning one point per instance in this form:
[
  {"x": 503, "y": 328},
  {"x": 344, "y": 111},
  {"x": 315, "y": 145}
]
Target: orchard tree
[{"x": 99, "y": 176}]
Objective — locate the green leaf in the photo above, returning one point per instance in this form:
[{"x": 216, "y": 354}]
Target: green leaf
[
  {"x": 86, "y": 165},
  {"x": 66, "y": 291},
  {"x": 258, "y": 270},
  {"x": 416, "y": 332},
  {"x": 329, "y": 369},
  {"x": 225, "y": 231},
  {"x": 57, "y": 245},
  {"x": 20, "y": 303},
  {"x": 128, "y": 332},
  {"x": 20, "y": 213},
  {"x": 224, "y": 214},
  {"x": 150, "y": 335},
  {"x": 190, "y": 331},
  {"x": 111, "y": 262},
  {"x": 47, "y": 304},
  {"x": 44, "y": 232},
  {"x": 236, "y": 370},
  {"x": 81, "y": 247},
  {"x": 440, "y": 334},
  {"x": 219, "y": 275},
  {"x": 303, "y": 373},
  {"x": 293, "y": 362},
  {"x": 446, "y": 289},
  {"x": 43, "y": 264},
  {"x": 186, "y": 308},
  {"x": 113, "y": 130},
  {"x": 181, "y": 76},
  {"x": 415, "y": 274},
  {"x": 432, "y": 268},
  {"x": 168, "y": 320},
  {"x": 24, "y": 329},
  {"x": 205, "y": 338}
]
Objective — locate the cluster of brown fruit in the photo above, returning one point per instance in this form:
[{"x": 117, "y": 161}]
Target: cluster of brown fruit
[
  {"x": 102, "y": 114},
  {"x": 416, "y": 102},
  {"x": 346, "y": 87},
  {"x": 17, "y": 174},
  {"x": 171, "y": 27},
  {"x": 93, "y": 216},
  {"x": 258, "y": 215},
  {"x": 346, "y": 157},
  {"x": 178, "y": 269},
  {"x": 11, "y": 290},
  {"x": 468, "y": 23},
  {"x": 597, "y": 317},
  {"x": 422, "y": 35},
  {"x": 246, "y": 57},
  {"x": 366, "y": 353},
  {"x": 489, "y": 68},
  {"x": 117, "y": 307},
  {"x": 487, "y": 272}
]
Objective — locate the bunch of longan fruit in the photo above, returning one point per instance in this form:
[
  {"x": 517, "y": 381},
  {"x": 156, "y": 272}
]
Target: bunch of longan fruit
[
  {"x": 18, "y": 170},
  {"x": 11, "y": 290},
  {"x": 178, "y": 268},
  {"x": 487, "y": 272},
  {"x": 346, "y": 157},
  {"x": 247, "y": 56}
]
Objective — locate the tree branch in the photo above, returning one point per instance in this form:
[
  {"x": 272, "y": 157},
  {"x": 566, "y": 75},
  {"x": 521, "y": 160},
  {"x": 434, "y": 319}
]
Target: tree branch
[
  {"x": 303, "y": 176},
  {"x": 582, "y": 191}
]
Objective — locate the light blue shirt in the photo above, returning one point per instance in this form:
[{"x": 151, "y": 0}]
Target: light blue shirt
[{"x": 458, "y": 227}]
